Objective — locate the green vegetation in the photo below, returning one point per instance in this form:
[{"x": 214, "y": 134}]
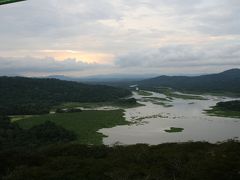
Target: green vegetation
[
  {"x": 9, "y": 1},
  {"x": 174, "y": 130},
  {"x": 148, "y": 117},
  {"x": 158, "y": 98},
  {"x": 171, "y": 94},
  {"x": 212, "y": 93},
  {"x": 144, "y": 93},
  {"x": 226, "y": 109},
  {"x": 19, "y": 117},
  {"x": 90, "y": 105},
  {"x": 42, "y": 148},
  {"x": 66, "y": 145},
  {"x": 84, "y": 124},
  {"x": 230, "y": 105},
  {"x": 185, "y": 161},
  {"x": 14, "y": 137},
  {"x": 163, "y": 104},
  {"x": 225, "y": 82},
  {"x": 126, "y": 103},
  {"x": 70, "y": 110},
  {"x": 29, "y": 96},
  {"x": 121, "y": 103},
  {"x": 46, "y": 152},
  {"x": 158, "y": 101}
]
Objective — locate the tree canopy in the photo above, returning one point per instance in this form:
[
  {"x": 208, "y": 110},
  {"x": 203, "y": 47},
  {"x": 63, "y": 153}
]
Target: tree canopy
[
  {"x": 2, "y": 2},
  {"x": 19, "y": 96}
]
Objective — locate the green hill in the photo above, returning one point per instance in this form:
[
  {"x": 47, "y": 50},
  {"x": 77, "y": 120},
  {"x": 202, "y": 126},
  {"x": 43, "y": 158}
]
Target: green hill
[
  {"x": 227, "y": 81},
  {"x": 20, "y": 95}
]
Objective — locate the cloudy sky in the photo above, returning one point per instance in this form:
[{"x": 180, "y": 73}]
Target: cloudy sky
[{"x": 88, "y": 37}]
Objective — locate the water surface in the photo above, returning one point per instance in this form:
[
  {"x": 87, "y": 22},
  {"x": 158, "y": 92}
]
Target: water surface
[{"x": 187, "y": 114}]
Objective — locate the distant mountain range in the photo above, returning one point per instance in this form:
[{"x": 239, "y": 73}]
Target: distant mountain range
[
  {"x": 227, "y": 81},
  {"x": 105, "y": 77}
]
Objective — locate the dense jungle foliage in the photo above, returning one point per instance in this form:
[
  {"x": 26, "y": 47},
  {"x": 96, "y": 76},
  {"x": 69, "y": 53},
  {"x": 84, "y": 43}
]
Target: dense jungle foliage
[
  {"x": 229, "y": 105},
  {"x": 21, "y": 96},
  {"x": 44, "y": 152}
]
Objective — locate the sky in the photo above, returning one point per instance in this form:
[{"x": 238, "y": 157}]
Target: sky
[{"x": 89, "y": 37}]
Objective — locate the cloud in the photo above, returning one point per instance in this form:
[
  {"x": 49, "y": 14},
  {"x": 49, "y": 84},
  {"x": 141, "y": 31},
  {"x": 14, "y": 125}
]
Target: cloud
[
  {"x": 144, "y": 33},
  {"x": 54, "y": 17},
  {"x": 182, "y": 56},
  {"x": 30, "y": 65},
  {"x": 219, "y": 18}
]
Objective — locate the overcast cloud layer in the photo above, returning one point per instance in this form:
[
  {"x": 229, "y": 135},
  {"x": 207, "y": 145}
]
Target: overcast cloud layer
[{"x": 72, "y": 37}]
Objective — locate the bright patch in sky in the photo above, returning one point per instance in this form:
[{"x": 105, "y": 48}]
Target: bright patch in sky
[{"x": 127, "y": 36}]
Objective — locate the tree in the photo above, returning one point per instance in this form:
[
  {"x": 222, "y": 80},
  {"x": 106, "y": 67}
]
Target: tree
[{"x": 2, "y": 2}]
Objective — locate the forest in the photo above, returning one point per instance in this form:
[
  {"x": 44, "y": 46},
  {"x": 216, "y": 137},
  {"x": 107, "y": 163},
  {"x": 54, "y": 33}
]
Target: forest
[
  {"x": 227, "y": 82},
  {"x": 229, "y": 105},
  {"x": 120, "y": 90},
  {"x": 66, "y": 145},
  {"x": 226, "y": 109},
  {"x": 45, "y": 152},
  {"x": 24, "y": 96}
]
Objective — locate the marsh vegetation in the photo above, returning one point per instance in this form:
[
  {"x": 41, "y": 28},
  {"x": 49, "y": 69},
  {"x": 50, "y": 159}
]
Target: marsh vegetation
[
  {"x": 226, "y": 109},
  {"x": 174, "y": 130}
]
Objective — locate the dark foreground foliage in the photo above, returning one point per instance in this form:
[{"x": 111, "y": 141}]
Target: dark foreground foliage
[
  {"x": 189, "y": 161},
  {"x": 70, "y": 110},
  {"x": 43, "y": 153},
  {"x": 24, "y": 96},
  {"x": 14, "y": 137}
]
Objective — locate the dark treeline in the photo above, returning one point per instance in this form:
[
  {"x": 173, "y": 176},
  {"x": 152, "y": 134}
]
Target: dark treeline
[
  {"x": 17, "y": 143},
  {"x": 229, "y": 105},
  {"x": 44, "y": 152},
  {"x": 129, "y": 101},
  {"x": 225, "y": 82},
  {"x": 36, "y": 96},
  {"x": 13, "y": 137}
]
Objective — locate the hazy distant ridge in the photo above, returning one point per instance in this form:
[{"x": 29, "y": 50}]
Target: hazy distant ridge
[{"x": 227, "y": 81}]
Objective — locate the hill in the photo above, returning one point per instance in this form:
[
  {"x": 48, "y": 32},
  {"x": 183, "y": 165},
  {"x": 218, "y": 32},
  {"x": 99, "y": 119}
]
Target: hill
[
  {"x": 227, "y": 81},
  {"x": 104, "y": 78},
  {"x": 20, "y": 95}
]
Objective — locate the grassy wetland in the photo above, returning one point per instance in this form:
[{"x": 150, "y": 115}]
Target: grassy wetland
[{"x": 84, "y": 124}]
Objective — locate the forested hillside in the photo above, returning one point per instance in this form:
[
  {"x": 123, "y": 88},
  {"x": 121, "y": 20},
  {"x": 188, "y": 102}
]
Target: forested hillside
[
  {"x": 228, "y": 81},
  {"x": 20, "y": 95}
]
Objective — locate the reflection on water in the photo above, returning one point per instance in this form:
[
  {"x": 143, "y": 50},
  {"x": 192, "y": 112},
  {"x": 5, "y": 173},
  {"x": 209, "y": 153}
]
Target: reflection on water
[{"x": 188, "y": 114}]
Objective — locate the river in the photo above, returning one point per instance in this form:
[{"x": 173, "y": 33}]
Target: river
[{"x": 153, "y": 119}]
